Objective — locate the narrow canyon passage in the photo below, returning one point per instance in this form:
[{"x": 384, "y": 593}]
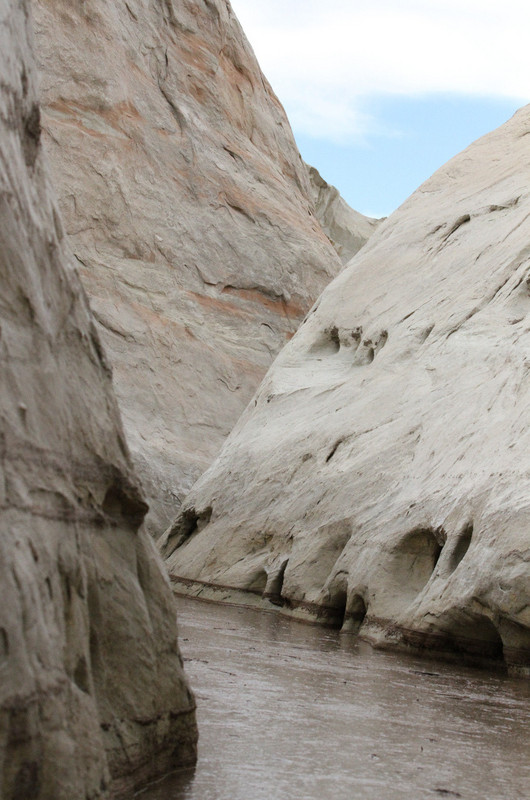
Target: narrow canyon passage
[{"x": 289, "y": 711}]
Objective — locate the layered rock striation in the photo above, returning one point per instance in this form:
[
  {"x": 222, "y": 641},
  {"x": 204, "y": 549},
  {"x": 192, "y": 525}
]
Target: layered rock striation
[
  {"x": 189, "y": 211},
  {"x": 347, "y": 229},
  {"x": 380, "y": 478},
  {"x": 93, "y": 699}
]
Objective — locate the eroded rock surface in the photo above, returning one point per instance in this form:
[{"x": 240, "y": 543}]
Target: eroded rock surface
[
  {"x": 380, "y": 479},
  {"x": 189, "y": 210},
  {"x": 346, "y": 229},
  {"x": 93, "y": 699}
]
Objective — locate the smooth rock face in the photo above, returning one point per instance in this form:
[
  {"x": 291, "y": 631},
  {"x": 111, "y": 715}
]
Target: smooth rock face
[
  {"x": 93, "y": 699},
  {"x": 189, "y": 210},
  {"x": 380, "y": 477},
  {"x": 346, "y": 229}
]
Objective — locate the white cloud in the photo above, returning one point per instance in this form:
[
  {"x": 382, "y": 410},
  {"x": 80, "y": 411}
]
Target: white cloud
[{"x": 324, "y": 59}]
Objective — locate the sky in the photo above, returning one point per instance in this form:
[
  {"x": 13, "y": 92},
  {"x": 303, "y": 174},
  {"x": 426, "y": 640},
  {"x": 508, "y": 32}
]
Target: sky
[{"x": 381, "y": 93}]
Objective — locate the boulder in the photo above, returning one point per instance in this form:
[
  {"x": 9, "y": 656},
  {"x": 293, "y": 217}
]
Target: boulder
[
  {"x": 93, "y": 699},
  {"x": 380, "y": 478}
]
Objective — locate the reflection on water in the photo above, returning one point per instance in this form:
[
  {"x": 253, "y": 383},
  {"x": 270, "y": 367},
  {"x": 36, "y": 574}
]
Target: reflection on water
[{"x": 288, "y": 711}]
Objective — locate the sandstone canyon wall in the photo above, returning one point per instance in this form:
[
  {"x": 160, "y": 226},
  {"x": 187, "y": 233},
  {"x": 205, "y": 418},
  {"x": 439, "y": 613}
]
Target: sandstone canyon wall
[
  {"x": 380, "y": 478},
  {"x": 189, "y": 211},
  {"x": 346, "y": 229},
  {"x": 93, "y": 700}
]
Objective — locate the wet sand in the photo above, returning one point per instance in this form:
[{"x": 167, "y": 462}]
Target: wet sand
[{"x": 288, "y": 711}]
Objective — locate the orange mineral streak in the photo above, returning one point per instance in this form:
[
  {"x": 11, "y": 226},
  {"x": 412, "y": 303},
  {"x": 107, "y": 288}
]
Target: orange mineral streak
[
  {"x": 113, "y": 116},
  {"x": 195, "y": 52},
  {"x": 276, "y": 305},
  {"x": 218, "y": 304}
]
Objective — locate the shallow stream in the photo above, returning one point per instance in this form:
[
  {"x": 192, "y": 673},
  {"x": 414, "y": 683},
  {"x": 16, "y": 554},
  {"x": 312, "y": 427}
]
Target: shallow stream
[{"x": 288, "y": 711}]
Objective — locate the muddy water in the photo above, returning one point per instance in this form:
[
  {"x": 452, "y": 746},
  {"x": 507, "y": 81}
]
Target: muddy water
[{"x": 288, "y": 711}]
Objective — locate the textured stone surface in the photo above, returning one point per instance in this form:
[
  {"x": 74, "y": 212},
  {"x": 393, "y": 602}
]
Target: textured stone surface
[
  {"x": 381, "y": 475},
  {"x": 189, "y": 210},
  {"x": 93, "y": 699},
  {"x": 346, "y": 229}
]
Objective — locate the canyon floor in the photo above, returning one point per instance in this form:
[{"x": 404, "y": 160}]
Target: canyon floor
[{"x": 291, "y": 711}]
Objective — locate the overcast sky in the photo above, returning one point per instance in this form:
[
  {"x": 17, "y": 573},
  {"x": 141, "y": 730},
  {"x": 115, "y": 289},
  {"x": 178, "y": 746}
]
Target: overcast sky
[{"x": 381, "y": 93}]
